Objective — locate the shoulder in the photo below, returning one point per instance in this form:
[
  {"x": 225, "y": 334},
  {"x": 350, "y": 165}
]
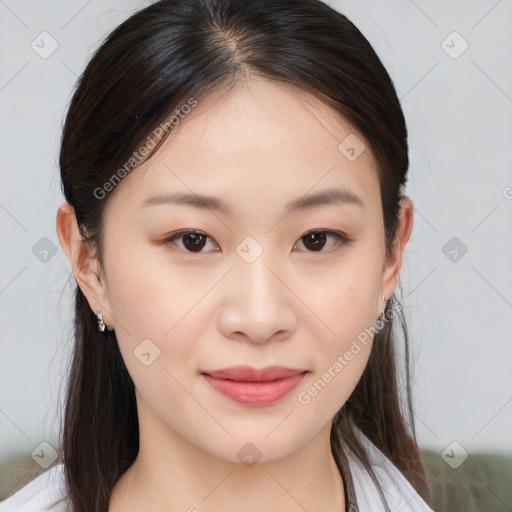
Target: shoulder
[
  {"x": 46, "y": 493},
  {"x": 398, "y": 492}
]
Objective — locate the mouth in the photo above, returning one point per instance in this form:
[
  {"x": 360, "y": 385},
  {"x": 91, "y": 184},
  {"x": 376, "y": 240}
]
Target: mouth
[{"x": 251, "y": 386}]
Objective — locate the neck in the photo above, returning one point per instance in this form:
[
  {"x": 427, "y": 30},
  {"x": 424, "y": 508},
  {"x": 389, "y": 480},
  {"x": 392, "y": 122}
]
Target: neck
[{"x": 171, "y": 473}]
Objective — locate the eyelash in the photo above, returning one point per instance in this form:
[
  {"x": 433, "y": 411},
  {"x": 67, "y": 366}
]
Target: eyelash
[{"x": 341, "y": 239}]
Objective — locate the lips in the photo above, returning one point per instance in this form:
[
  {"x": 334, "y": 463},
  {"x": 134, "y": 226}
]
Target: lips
[
  {"x": 252, "y": 386},
  {"x": 249, "y": 374}
]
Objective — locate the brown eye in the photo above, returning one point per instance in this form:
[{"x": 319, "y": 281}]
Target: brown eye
[
  {"x": 191, "y": 241},
  {"x": 315, "y": 241}
]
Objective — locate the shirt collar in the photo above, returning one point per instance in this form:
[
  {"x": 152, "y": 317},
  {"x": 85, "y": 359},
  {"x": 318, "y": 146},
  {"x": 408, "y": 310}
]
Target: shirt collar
[{"x": 348, "y": 484}]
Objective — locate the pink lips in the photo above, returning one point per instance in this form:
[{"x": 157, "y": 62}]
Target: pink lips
[{"x": 251, "y": 386}]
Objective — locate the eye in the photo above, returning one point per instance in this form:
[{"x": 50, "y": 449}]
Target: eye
[
  {"x": 315, "y": 241},
  {"x": 193, "y": 241}
]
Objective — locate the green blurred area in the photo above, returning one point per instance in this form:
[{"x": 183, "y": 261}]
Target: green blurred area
[{"x": 483, "y": 483}]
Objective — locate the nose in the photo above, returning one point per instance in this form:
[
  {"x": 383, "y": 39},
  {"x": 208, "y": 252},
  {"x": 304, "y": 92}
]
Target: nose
[{"x": 259, "y": 303}]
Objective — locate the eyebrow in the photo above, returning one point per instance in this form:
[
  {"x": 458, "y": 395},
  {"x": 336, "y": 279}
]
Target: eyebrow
[{"x": 307, "y": 202}]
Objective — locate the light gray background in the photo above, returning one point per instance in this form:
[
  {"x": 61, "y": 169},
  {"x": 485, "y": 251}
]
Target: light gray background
[{"x": 459, "y": 115}]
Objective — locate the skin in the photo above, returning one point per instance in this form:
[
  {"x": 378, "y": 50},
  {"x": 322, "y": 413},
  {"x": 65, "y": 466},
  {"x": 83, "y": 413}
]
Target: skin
[{"x": 257, "y": 146}]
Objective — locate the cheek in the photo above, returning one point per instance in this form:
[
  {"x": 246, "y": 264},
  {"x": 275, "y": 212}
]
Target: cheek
[
  {"x": 324, "y": 392},
  {"x": 340, "y": 357},
  {"x": 345, "y": 300},
  {"x": 147, "y": 294},
  {"x": 156, "y": 308},
  {"x": 157, "y": 341},
  {"x": 346, "y": 307}
]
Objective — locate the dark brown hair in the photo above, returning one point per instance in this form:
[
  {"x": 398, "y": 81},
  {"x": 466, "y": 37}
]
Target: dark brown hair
[{"x": 146, "y": 68}]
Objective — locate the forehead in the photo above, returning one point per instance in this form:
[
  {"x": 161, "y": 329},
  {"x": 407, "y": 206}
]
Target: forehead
[{"x": 255, "y": 143}]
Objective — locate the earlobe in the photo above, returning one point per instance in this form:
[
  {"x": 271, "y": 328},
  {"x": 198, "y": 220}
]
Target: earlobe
[{"x": 85, "y": 267}]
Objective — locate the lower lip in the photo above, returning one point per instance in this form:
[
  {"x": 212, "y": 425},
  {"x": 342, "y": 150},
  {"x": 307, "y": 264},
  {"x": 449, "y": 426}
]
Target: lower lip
[{"x": 255, "y": 393}]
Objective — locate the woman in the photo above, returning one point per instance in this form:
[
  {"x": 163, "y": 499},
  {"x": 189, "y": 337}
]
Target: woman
[{"x": 235, "y": 221}]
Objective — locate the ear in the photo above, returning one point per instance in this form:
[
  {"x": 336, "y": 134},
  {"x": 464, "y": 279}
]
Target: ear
[
  {"x": 393, "y": 263},
  {"x": 84, "y": 264}
]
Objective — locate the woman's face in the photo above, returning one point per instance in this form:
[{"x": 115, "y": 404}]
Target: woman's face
[{"x": 253, "y": 289}]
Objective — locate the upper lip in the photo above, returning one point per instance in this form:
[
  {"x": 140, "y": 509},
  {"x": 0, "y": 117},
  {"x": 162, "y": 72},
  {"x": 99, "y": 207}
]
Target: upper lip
[{"x": 249, "y": 374}]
